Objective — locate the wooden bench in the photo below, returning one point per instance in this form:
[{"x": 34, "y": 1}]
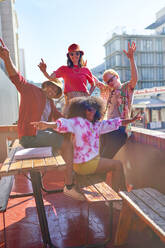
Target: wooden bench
[
  {"x": 6, "y": 184},
  {"x": 95, "y": 189},
  {"x": 149, "y": 205}
]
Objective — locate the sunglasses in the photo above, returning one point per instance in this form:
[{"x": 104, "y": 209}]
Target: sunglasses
[
  {"x": 91, "y": 109},
  {"x": 111, "y": 79},
  {"x": 74, "y": 53}
]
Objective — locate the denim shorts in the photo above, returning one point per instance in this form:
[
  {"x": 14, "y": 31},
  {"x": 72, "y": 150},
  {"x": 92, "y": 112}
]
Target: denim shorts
[{"x": 47, "y": 137}]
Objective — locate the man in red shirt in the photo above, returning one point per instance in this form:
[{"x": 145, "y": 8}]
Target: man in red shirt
[{"x": 36, "y": 104}]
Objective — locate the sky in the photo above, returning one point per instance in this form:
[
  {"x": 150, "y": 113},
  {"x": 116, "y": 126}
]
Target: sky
[{"x": 48, "y": 27}]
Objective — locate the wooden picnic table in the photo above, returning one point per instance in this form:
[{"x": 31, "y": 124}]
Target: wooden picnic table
[
  {"x": 35, "y": 167},
  {"x": 149, "y": 205}
]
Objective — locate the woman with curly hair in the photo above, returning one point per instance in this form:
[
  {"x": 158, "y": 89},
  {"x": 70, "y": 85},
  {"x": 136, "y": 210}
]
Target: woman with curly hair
[{"x": 83, "y": 121}]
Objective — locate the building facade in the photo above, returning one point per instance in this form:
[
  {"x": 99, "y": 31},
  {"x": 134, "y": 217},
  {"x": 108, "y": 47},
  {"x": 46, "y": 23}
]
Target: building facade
[
  {"x": 98, "y": 71},
  {"x": 149, "y": 57},
  {"x": 22, "y": 68},
  {"x": 9, "y": 28},
  {"x": 9, "y": 32},
  {"x": 151, "y": 102},
  {"x": 159, "y": 25}
]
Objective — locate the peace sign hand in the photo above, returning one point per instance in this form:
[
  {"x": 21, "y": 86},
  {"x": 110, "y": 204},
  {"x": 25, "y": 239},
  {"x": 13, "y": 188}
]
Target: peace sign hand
[
  {"x": 42, "y": 65},
  {"x": 4, "y": 52},
  {"x": 131, "y": 50}
]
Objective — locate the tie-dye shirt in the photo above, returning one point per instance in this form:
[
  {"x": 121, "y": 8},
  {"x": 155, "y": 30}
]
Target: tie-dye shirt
[{"x": 86, "y": 135}]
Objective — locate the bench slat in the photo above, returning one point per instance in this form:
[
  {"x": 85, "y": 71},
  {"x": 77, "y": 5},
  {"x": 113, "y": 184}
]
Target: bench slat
[
  {"x": 92, "y": 194},
  {"x": 108, "y": 193},
  {"x": 151, "y": 202},
  {"x": 156, "y": 194}
]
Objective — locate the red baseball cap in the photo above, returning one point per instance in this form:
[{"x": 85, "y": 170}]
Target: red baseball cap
[{"x": 75, "y": 47}]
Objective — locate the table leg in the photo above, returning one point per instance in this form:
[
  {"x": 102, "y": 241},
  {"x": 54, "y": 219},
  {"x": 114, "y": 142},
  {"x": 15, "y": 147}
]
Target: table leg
[
  {"x": 124, "y": 225},
  {"x": 36, "y": 184}
]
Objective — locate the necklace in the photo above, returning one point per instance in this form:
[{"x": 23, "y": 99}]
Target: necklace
[{"x": 76, "y": 69}]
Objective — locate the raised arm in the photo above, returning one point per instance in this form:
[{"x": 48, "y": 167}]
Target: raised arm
[
  {"x": 100, "y": 84},
  {"x": 61, "y": 125},
  {"x": 130, "y": 55},
  {"x": 41, "y": 125},
  {"x": 42, "y": 65},
  {"x": 5, "y": 56},
  {"x": 125, "y": 122}
]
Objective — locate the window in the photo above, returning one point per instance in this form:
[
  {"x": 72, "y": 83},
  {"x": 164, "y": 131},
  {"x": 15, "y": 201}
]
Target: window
[
  {"x": 155, "y": 115},
  {"x": 112, "y": 61},
  {"x": 126, "y": 61},
  {"x": 158, "y": 44},
  {"x": 147, "y": 59},
  {"x": 163, "y": 30},
  {"x": 159, "y": 59},
  {"x": 159, "y": 74},
  {"x": 146, "y": 45},
  {"x": 117, "y": 45},
  {"x": 147, "y": 74},
  {"x": 118, "y": 60}
]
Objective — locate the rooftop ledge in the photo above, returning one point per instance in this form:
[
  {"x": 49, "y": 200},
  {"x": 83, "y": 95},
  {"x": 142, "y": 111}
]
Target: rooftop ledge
[{"x": 148, "y": 137}]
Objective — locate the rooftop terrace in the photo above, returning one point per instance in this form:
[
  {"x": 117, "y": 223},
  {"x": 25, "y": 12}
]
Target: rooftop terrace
[{"x": 143, "y": 158}]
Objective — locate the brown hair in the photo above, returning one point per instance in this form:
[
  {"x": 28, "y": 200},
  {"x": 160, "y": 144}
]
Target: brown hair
[{"x": 79, "y": 105}]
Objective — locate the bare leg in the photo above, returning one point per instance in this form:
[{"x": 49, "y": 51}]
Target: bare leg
[
  {"x": 67, "y": 153},
  {"x": 118, "y": 178}
]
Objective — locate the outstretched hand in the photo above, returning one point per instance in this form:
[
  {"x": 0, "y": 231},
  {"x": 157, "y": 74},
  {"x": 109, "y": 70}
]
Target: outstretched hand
[
  {"x": 4, "y": 52},
  {"x": 138, "y": 116},
  {"x": 42, "y": 65},
  {"x": 40, "y": 124},
  {"x": 131, "y": 50}
]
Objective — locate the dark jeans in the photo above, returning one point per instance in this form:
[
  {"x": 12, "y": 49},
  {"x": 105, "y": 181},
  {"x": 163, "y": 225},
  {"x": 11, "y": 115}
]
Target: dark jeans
[
  {"x": 110, "y": 143},
  {"x": 47, "y": 137}
]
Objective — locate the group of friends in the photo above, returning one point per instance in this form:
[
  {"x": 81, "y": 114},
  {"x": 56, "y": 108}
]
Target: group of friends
[{"x": 89, "y": 130}]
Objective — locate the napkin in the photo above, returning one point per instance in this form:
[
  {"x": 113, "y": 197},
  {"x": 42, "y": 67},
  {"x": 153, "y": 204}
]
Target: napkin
[{"x": 37, "y": 152}]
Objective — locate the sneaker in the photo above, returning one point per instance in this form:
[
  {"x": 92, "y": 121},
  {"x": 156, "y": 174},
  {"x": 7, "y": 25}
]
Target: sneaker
[{"x": 74, "y": 194}]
